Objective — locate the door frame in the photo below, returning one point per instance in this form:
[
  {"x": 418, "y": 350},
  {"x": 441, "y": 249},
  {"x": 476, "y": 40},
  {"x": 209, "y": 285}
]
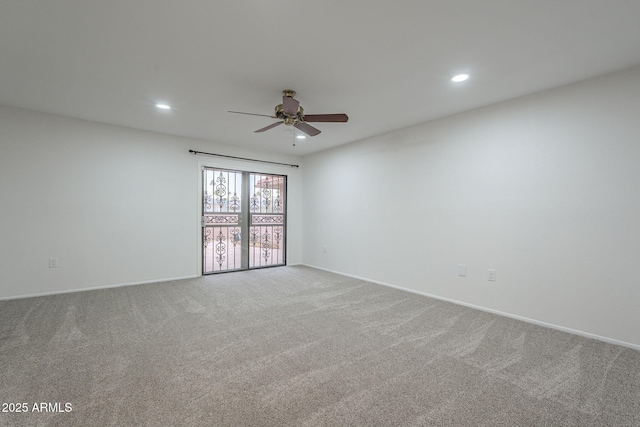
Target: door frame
[{"x": 241, "y": 166}]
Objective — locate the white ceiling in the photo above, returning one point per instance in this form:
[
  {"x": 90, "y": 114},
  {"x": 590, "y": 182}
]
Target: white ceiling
[{"x": 386, "y": 64}]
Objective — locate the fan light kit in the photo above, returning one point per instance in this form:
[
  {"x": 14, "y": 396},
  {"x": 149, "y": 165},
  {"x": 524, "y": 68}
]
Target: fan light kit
[{"x": 291, "y": 113}]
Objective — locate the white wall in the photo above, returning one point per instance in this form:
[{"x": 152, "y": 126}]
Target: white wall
[
  {"x": 114, "y": 205},
  {"x": 544, "y": 189}
]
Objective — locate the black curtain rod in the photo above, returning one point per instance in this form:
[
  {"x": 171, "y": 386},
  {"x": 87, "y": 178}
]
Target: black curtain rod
[{"x": 242, "y": 158}]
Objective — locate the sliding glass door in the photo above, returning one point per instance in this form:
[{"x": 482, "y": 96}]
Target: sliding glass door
[{"x": 243, "y": 220}]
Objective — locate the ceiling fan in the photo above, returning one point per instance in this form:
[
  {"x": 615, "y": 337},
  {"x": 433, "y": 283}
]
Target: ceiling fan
[{"x": 292, "y": 114}]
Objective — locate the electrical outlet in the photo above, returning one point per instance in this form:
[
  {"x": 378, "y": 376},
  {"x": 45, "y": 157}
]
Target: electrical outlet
[
  {"x": 462, "y": 270},
  {"x": 324, "y": 250},
  {"x": 53, "y": 262},
  {"x": 492, "y": 276}
]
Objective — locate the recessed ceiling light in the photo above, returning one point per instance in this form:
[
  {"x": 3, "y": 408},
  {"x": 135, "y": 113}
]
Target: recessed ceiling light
[
  {"x": 163, "y": 106},
  {"x": 301, "y": 137},
  {"x": 459, "y": 77}
]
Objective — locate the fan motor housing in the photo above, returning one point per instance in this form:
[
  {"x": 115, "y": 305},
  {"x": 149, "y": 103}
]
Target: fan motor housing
[
  {"x": 289, "y": 120},
  {"x": 292, "y": 114}
]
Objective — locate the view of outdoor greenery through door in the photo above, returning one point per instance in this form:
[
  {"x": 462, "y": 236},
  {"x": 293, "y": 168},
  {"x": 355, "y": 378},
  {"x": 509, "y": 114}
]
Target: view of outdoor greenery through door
[{"x": 243, "y": 220}]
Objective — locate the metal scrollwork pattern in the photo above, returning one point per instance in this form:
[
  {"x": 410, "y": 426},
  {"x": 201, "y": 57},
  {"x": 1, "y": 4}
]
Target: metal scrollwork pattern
[
  {"x": 222, "y": 219},
  {"x": 221, "y": 189},
  {"x": 234, "y": 203},
  {"x": 221, "y": 248},
  {"x": 253, "y": 235},
  {"x": 208, "y": 205},
  {"x": 207, "y": 236},
  {"x": 236, "y": 237},
  {"x": 266, "y": 197},
  {"x": 267, "y": 219},
  {"x": 266, "y": 246},
  {"x": 277, "y": 233},
  {"x": 277, "y": 204},
  {"x": 255, "y": 202}
]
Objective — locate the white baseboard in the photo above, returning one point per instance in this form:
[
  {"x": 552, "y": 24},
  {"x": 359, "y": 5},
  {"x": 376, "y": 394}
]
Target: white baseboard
[
  {"x": 68, "y": 291},
  {"x": 489, "y": 310}
]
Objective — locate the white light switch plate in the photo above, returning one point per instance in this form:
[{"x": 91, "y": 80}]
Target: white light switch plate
[{"x": 462, "y": 270}]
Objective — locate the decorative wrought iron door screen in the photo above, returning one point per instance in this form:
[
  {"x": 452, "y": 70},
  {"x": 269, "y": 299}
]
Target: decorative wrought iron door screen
[
  {"x": 266, "y": 225},
  {"x": 243, "y": 220}
]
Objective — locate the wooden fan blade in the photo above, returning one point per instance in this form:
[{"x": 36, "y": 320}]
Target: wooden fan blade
[
  {"x": 290, "y": 106},
  {"x": 341, "y": 118},
  {"x": 252, "y": 114},
  {"x": 308, "y": 129},
  {"x": 268, "y": 127}
]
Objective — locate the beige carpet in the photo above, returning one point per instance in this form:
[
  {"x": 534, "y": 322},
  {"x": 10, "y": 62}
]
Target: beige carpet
[{"x": 295, "y": 346}]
